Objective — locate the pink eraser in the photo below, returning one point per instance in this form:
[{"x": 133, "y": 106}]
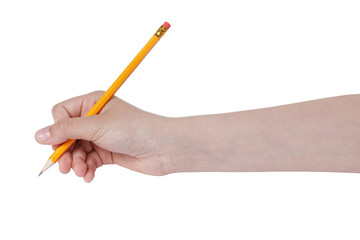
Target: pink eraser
[{"x": 167, "y": 25}]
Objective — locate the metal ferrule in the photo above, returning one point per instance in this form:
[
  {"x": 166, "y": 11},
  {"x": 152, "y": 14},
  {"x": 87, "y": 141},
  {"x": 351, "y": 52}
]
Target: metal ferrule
[{"x": 161, "y": 31}]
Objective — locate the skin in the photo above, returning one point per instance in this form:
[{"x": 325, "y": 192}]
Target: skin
[{"x": 319, "y": 135}]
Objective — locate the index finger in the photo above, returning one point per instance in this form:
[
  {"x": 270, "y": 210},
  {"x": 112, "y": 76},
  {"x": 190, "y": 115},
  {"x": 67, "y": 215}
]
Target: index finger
[{"x": 75, "y": 107}]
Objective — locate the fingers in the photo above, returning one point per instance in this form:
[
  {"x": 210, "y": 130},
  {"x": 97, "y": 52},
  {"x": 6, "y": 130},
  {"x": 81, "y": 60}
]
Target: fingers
[
  {"x": 65, "y": 163},
  {"x": 79, "y": 158},
  {"x": 83, "y": 160},
  {"x": 65, "y": 160},
  {"x": 93, "y": 161},
  {"x": 75, "y": 107},
  {"x": 86, "y": 128},
  {"x": 70, "y": 125}
]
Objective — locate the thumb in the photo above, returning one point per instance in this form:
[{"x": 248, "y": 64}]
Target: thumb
[{"x": 85, "y": 128}]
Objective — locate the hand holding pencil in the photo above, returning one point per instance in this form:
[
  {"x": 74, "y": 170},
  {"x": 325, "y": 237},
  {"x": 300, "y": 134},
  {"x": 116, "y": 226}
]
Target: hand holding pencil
[
  {"x": 60, "y": 150},
  {"x": 121, "y": 134},
  {"x": 253, "y": 140},
  {"x": 319, "y": 135}
]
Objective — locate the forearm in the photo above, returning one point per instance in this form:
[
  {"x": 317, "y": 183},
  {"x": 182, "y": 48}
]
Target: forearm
[{"x": 320, "y": 135}]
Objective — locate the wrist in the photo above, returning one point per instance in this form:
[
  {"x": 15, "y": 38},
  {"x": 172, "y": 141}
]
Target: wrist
[
  {"x": 187, "y": 145},
  {"x": 173, "y": 153}
]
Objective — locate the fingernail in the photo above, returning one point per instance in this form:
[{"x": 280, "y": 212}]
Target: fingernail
[{"x": 43, "y": 134}]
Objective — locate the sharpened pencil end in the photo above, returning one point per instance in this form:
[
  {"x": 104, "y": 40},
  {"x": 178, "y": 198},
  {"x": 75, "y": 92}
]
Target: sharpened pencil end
[{"x": 48, "y": 164}]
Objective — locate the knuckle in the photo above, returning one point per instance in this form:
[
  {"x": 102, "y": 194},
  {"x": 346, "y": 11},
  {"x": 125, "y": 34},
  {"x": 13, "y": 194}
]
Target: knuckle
[
  {"x": 98, "y": 93},
  {"x": 55, "y": 109},
  {"x": 63, "y": 125},
  {"x": 95, "y": 134}
]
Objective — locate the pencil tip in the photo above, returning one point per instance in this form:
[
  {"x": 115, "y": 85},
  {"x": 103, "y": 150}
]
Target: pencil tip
[{"x": 47, "y": 165}]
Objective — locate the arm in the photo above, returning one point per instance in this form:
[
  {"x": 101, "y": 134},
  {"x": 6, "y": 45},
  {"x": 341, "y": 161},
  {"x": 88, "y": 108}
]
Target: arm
[{"x": 320, "y": 135}]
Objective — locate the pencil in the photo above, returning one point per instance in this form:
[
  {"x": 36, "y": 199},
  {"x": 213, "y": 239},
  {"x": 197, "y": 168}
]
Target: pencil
[{"x": 110, "y": 92}]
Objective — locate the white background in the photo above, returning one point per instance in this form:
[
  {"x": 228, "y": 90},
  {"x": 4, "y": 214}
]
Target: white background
[{"x": 218, "y": 56}]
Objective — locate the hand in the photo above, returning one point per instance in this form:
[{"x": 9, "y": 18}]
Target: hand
[{"x": 121, "y": 134}]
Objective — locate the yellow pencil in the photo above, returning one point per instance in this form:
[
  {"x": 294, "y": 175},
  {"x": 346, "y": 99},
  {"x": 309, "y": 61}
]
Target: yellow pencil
[{"x": 110, "y": 92}]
